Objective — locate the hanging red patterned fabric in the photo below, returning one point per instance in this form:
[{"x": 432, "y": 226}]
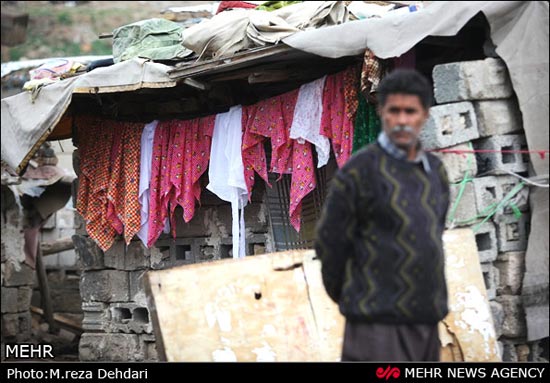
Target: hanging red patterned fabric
[
  {"x": 123, "y": 208},
  {"x": 339, "y": 107},
  {"x": 181, "y": 151},
  {"x": 160, "y": 181},
  {"x": 94, "y": 145},
  {"x": 273, "y": 118},
  {"x": 194, "y": 140}
]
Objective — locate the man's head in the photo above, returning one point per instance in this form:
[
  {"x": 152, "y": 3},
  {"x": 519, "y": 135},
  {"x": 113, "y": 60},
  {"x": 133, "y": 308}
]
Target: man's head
[{"x": 404, "y": 99}]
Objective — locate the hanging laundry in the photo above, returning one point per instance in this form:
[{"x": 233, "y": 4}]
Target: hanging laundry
[
  {"x": 268, "y": 118},
  {"x": 371, "y": 73},
  {"x": 273, "y": 118},
  {"x": 339, "y": 107},
  {"x": 181, "y": 151},
  {"x": 307, "y": 119},
  {"x": 147, "y": 137},
  {"x": 226, "y": 172},
  {"x": 123, "y": 208},
  {"x": 95, "y": 143},
  {"x": 366, "y": 125}
]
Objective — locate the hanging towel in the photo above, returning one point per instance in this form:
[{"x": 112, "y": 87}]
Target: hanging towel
[
  {"x": 307, "y": 119},
  {"x": 226, "y": 172},
  {"x": 147, "y": 137},
  {"x": 273, "y": 118}
]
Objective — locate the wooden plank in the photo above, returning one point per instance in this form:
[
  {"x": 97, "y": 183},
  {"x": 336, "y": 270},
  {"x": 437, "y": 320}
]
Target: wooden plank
[
  {"x": 469, "y": 323},
  {"x": 57, "y": 246},
  {"x": 243, "y": 59},
  {"x": 64, "y": 322},
  {"x": 275, "y": 307}
]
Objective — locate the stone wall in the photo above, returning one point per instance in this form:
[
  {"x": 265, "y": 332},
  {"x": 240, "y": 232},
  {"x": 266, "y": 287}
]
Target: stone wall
[{"x": 477, "y": 110}]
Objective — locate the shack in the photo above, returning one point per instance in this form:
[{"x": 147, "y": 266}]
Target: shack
[{"x": 488, "y": 62}]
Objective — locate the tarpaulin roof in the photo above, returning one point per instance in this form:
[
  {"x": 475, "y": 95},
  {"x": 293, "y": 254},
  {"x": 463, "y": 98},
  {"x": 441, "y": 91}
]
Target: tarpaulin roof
[{"x": 27, "y": 124}]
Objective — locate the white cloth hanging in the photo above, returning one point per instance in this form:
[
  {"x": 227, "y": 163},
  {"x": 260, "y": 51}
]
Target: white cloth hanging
[
  {"x": 306, "y": 124},
  {"x": 146, "y": 158},
  {"x": 226, "y": 172}
]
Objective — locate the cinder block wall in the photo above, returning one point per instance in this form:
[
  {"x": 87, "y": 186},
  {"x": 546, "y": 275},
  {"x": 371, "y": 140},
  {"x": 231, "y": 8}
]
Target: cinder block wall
[
  {"x": 477, "y": 109},
  {"x": 117, "y": 321},
  {"x": 17, "y": 277}
]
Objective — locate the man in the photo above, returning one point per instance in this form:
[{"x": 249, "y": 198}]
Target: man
[{"x": 380, "y": 235}]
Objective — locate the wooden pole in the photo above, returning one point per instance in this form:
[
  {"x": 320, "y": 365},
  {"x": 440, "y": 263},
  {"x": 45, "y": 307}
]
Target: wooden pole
[{"x": 45, "y": 291}]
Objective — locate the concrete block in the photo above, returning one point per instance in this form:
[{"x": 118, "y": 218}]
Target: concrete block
[
  {"x": 132, "y": 257},
  {"x": 24, "y": 295},
  {"x": 79, "y": 225},
  {"x": 457, "y": 165},
  {"x": 137, "y": 288},
  {"x": 67, "y": 259},
  {"x": 160, "y": 254},
  {"x": 471, "y": 80},
  {"x": 486, "y": 242},
  {"x": 512, "y": 232},
  {"x": 487, "y": 193},
  {"x": 255, "y": 217},
  {"x": 130, "y": 318},
  {"x": 66, "y": 301},
  {"x": 149, "y": 347},
  {"x": 13, "y": 277},
  {"x": 521, "y": 199},
  {"x": 90, "y": 256},
  {"x": 104, "y": 286},
  {"x": 465, "y": 209},
  {"x": 65, "y": 219},
  {"x": 16, "y": 299},
  {"x": 496, "y": 117},
  {"x": 8, "y": 303},
  {"x": 450, "y": 125},
  {"x": 491, "y": 278},
  {"x": 497, "y": 313},
  {"x": 514, "y": 316},
  {"x": 511, "y": 267},
  {"x": 110, "y": 347},
  {"x": 96, "y": 316},
  {"x": 501, "y": 159},
  {"x": 509, "y": 353},
  {"x": 16, "y": 326}
]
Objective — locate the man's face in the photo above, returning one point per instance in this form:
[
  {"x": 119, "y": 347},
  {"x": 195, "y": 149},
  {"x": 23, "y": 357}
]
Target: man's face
[{"x": 403, "y": 117}]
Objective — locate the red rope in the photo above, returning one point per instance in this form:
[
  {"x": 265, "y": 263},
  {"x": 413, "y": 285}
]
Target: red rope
[{"x": 541, "y": 153}]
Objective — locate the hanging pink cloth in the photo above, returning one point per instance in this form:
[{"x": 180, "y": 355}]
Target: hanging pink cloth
[
  {"x": 336, "y": 122},
  {"x": 273, "y": 118},
  {"x": 181, "y": 151}
]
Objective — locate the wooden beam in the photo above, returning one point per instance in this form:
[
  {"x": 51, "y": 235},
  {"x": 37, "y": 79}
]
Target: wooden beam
[
  {"x": 66, "y": 323},
  {"x": 57, "y": 246},
  {"x": 247, "y": 58}
]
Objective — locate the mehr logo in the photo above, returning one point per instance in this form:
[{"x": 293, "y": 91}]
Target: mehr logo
[
  {"x": 389, "y": 372},
  {"x": 29, "y": 351}
]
